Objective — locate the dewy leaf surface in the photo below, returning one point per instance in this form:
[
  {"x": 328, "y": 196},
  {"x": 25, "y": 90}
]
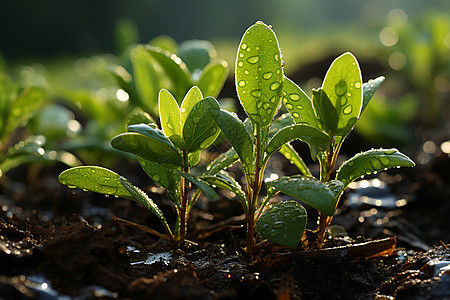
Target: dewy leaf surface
[
  {"x": 308, "y": 190},
  {"x": 298, "y": 103},
  {"x": 213, "y": 78},
  {"x": 303, "y": 132},
  {"x": 225, "y": 181},
  {"x": 163, "y": 175},
  {"x": 343, "y": 85},
  {"x": 192, "y": 97},
  {"x": 369, "y": 89},
  {"x": 259, "y": 74},
  {"x": 283, "y": 224},
  {"x": 169, "y": 114},
  {"x": 147, "y": 147},
  {"x": 234, "y": 129},
  {"x": 222, "y": 162},
  {"x": 203, "y": 186},
  {"x": 95, "y": 179},
  {"x": 371, "y": 161},
  {"x": 200, "y": 130}
]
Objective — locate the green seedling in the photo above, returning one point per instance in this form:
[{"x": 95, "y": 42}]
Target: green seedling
[
  {"x": 166, "y": 155},
  {"x": 334, "y": 109},
  {"x": 259, "y": 83},
  {"x": 16, "y": 109},
  {"x": 162, "y": 64}
]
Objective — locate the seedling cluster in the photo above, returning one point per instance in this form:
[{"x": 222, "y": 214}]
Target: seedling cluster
[{"x": 169, "y": 151}]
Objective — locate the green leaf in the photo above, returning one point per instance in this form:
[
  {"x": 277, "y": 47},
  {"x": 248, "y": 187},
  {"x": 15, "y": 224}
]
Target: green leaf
[
  {"x": 279, "y": 123},
  {"x": 213, "y": 78},
  {"x": 343, "y": 86},
  {"x": 162, "y": 174},
  {"x": 152, "y": 132},
  {"x": 369, "y": 89},
  {"x": 200, "y": 130},
  {"x": 150, "y": 148},
  {"x": 146, "y": 77},
  {"x": 259, "y": 74},
  {"x": 7, "y": 97},
  {"x": 204, "y": 187},
  {"x": 24, "y": 107},
  {"x": 225, "y": 181},
  {"x": 222, "y": 162},
  {"x": 194, "y": 158},
  {"x": 371, "y": 161},
  {"x": 283, "y": 224},
  {"x": 169, "y": 115},
  {"x": 305, "y": 133},
  {"x": 178, "y": 75},
  {"x": 336, "y": 186},
  {"x": 327, "y": 116},
  {"x": 308, "y": 190},
  {"x": 141, "y": 197},
  {"x": 289, "y": 152},
  {"x": 192, "y": 97},
  {"x": 138, "y": 116},
  {"x": 95, "y": 179},
  {"x": 234, "y": 129},
  {"x": 298, "y": 103},
  {"x": 197, "y": 54}
]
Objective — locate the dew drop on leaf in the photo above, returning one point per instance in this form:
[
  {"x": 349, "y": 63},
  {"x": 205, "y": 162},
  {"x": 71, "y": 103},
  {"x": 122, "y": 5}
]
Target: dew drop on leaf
[
  {"x": 295, "y": 115},
  {"x": 242, "y": 83},
  {"x": 240, "y": 63},
  {"x": 156, "y": 177},
  {"x": 256, "y": 93},
  {"x": 267, "y": 75},
  {"x": 274, "y": 86},
  {"x": 244, "y": 46},
  {"x": 357, "y": 85},
  {"x": 289, "y": 106},
  {"x": 294, "y": 97},
  {"x": 253, "y": 59},
  {"x": 276, "y": 57},
  {"x": 347, "y": 109}
]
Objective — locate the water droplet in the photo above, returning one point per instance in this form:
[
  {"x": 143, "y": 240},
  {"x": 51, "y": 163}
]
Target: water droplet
[
  {"x": 241, "y": 55},
  {"x": 274, "y": 86},
  {"x": 347, "y": 109},
  {"x": 285, "y": 100},
  {"x": 343, "y": 100},
  {"x": 156, "y": 177},
  {"x": 295, "y": 115},
  {"x": 253, "y": 59},
  {"x": 340, "y": 88},
  {"x": 278, "y": 71},
  {"x": 240, "y": 63},
  {"x": 244, "y": 46},
  {"x": 269, "y": 111},
  {"x": 289, "y": 106},
  {"x": 294, "y": 97},
  {"x": 204, "y": 144},
  {"x": 246, "y": 72},
  {"x": 358, "y": 85},
  {"x": 276, "y": 57},
  {"x": 259, "y": 104},
  {"x": 273, "y": 99},
  {"x": 242, "y": 83},
  {"x": 266, "y": 105},
  {"x": 278, "y": 225},
  {"x": 213, "y": 130},
  {"x": 349, "y": 94},
  {"x": 299, "y": 106},
  {"x": 249, "y": 49},
  {"x": 264, "y": 120},
  {"x": 384, "y": 160},
  {"x": 376, "y": 164},
  {"x": 256, "y": 93},
  {"x": 389, "y": 152},
  {"x": 267, "y": 75},
  {"x": 169, "y": 125}
]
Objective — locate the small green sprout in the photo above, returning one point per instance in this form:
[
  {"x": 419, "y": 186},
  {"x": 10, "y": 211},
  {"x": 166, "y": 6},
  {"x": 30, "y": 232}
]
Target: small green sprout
[{"x": 165, "y": 155}]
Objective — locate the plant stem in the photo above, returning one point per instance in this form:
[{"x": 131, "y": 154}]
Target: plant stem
[{"x": 184, "y": 194}]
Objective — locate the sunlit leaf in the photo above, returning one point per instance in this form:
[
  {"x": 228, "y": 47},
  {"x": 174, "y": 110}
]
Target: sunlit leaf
[
  {"x": 369, "y": 89},
  {"x": 289, "y": 152},
  {"x": 170, "y": 115},
  {"x": 307, "y": 189},
  {"x": 222, "y": 162},
  {"x": 225, "y": 181},
  {"x": 200, "y": 130},
  {"x": 235, "y": 131},
  {"x": 298, "y": 103},
  {"x": 283, "y": 224},
  {"x": 371, "y": 161},
  {"x": 150, "y": 148},
  {"x": 138, "y": 116},
  {"x": 303, "y": 132},
  {"x": 95, "y": 179},
  {"x": 343, "y": 86},
  {"x": 259, "y": 74},
  {"x": 327, "y": 117},
  {"x": 213, "y": 78}
]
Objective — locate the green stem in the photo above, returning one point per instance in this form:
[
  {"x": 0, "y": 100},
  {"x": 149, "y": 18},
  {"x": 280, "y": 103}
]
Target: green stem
[{"x": 184, "y": 194}]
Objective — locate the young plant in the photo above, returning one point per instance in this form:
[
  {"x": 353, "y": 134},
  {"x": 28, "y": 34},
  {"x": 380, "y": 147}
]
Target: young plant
[
  {"x": 334, "y": 109},
  {"x": 162, "y": 64},
  {"x": 16, "y": 110},
  {"x": 259, "y": 83},
  {"x": 166, "y": 155}
]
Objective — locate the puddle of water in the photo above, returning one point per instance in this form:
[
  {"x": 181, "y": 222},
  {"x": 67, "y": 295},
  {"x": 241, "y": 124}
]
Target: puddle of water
[{"x": 139, "y": 258}]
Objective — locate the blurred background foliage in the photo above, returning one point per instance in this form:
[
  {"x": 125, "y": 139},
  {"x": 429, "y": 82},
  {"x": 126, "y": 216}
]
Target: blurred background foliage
[{"x": 80, "y": 53}]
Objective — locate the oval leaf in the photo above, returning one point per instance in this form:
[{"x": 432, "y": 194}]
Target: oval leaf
[
  {"x": 308, "y": 190},
  {"x": 298, "y": 103},
  {"x": 369, "y": 89},
  {"x": 169, "y": 115},
  {"x": 343, "y": 86},
  {"x": 371, "y": 161},
  {"x": 259, "y": 75},
  {"x": 147, "y": 147},
  {"x": 95, "y": 179},
  {"x": 234, "y": 129},
  {"x": 200, "y": 130},
  {"x": 192, "y": 97},
  {"x": 283, "y": 224},
  {"x": 222, "y": 162},
  {"x": 225, "y": 181},
  {"x": 213, "y": 78},
  {"x": 303, "y": 132}
]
